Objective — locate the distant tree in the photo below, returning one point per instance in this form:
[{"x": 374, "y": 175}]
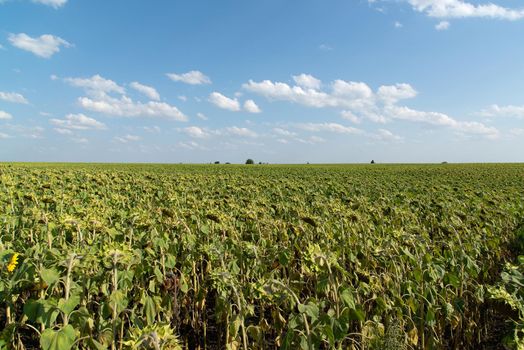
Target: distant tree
[
  {"x": 372, "y": 161},
  {"x": 228, "y": 163},
  {"x": 444, "y": 162},
  {"x": 217, "y": 162},
  {"x": 250, "y": 161}
]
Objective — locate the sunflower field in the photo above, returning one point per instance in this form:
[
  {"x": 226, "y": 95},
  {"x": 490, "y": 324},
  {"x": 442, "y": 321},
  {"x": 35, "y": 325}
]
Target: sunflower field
[{"x": 105, "y": 256}]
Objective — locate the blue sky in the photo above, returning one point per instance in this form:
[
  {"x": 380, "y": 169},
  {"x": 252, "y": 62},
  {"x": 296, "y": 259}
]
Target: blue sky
[{"x": 279, "y": 81}]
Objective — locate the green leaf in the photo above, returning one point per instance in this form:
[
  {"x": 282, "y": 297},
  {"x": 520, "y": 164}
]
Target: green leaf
[
  {"x": 118, "y": 300},
  {"x": 49, "y": 276},
  {"x": 33, "y": 309},
  {"x": 150, "y": 310},
  {"x": 67, "y": 306},
  {"x": 62, "y": 339},
  {"x": 348, "y": 299},
  {"x": 430, "y": 317},
  {"x": 310, "y": 309},
  {"x": 357, "y": 314}
]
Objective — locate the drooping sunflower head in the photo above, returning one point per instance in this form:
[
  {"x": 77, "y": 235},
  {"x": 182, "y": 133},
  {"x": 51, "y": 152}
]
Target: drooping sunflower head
[{"x": 13, "y": 262}]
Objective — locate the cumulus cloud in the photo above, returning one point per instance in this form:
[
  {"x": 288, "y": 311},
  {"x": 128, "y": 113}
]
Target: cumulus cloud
[
  {"x": 53, "y": 3},
  {"x": 77, "y": 122},
  {"x": 193, "y": 77},
  {"x": 126, "y": 107},
  {"x": 127, "y": 138},
  {"x": 191, "y": 145},
  {"x": 307, "y": 81},
  {"x": 196, "y": 132},
  {"x": 153, "y": 129},
  {"x": 329, "y": 127},
  {"x": 357, "y": 101},
  {"x": 386, "y": 136},
  {"x": 5, "y": 115},
  {"x": 43, "y": 46},
  {"x": 32, "y": 132},
  {"x": 503, "y": 111},
  {"x": 202, "y": 116},
  {"x": 284, "y": 132},
  {"x": 3, "y": 136},
  {"x": 464, "y": 9},
  {"x": 348, "y": 115},
  {"x": 99, "y": 100},
  {"x": 394, "y": 93},
  {"x": 96, "y": 85},
  {"x": 63, "y": 131},
  {"x": 242, "y": 132},
  {"x": 251, "y": 107},
  {"x": 13, "y": 97},
  {"x": 405, "y": 113},
  {"x": 443, "y": 25},
  {"x": 146, "y": 90},
  {"x": 224, "y": 102}
]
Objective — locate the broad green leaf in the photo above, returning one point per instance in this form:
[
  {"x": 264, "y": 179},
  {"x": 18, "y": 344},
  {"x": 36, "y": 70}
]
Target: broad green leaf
[{"x": 62, "y": 339}]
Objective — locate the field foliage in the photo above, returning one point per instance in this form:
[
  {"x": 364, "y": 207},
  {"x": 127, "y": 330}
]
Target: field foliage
[{"x": 256, "y": 257}]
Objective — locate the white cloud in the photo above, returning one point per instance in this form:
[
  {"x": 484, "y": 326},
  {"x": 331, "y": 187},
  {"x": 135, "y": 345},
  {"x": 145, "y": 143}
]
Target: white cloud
[
  {"x": 152, "y": 129},
  {"x": 146, "y": 90},
  {"x": 284, "y": 132},
  {"x": 191, "y": 145},
  {"x": 398, "y": 25},
  {"x": 53, "y": 3},
  {"x": 517, "y": 132},
  {"x": 284, "y": 92},
  {"x": 202, "y": 116},
  {"x": 315, "y": 139},
  {"x": 43, "y": 46},
  {"x": 96, "y": 85},
  {"x": 242, "y": 132},
  {"x": 329, "y": 127},
  {"x": 126, "y": 107},
  {"x": 13, "y": 97},
  {"x": 394, "y": 93},
  {"x": 325, "y": 47},
  {"x": 307, "y": 81},
  {"x": 182, "y": 98},
  {"x": 63, "y": 131},
  {"x": 441, "y": 119},
  {"x": 352, "y": 90},
  {"x": 77, "y": 122},
  {"x": 127, "y": 138},
  {"x": 348, "y": 115},
  {"x": 503, "y": 111},
  {"x": 193, "y": 77},
  {"x": 251, "y": 107},
  {"x": 405, "y": 113},
  {"x": 357, "y": 100},
  {"x": 386, "y": 136},
  {"x": 3, "y": 136},
  {"x": 5, "y": 115},
  {"x": 463, "y": 9},
  {"x": 224, "y": 102},
  {"x": 98, "y": 88},
  {"x": 196, "y": 132},
  {"x": 477, "y": 129},
  {"x": 443, "y": 25}
]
